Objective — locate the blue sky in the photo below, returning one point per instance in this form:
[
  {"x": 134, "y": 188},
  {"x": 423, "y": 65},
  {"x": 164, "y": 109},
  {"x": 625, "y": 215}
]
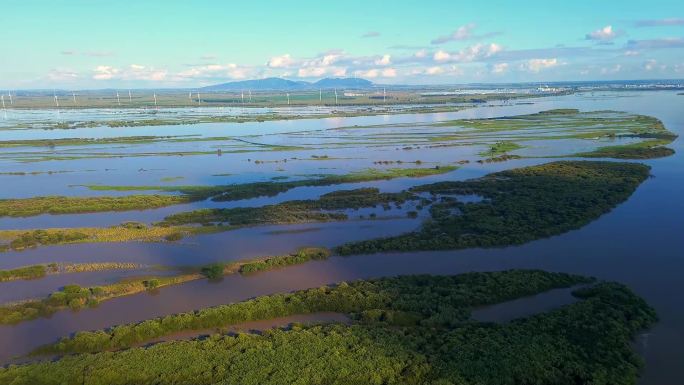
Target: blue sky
[{"x": 78, "y": 44}]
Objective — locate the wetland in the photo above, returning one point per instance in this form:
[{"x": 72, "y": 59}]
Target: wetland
[{"x": 129, "y": 243}]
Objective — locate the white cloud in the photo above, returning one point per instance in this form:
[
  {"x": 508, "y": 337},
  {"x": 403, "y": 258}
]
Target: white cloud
[
  {"x": 316, "y": 72},
  {"x": 436, "y": 70},
  {"x": 441, "y": 56},
  {"x": 464, "y": 32},
  {"x": 420, "y": 54},
  {"x": 632, "y": 53},
  {"x": 650, "y": 64},
  {"x": 376, "y": 72},
  {"x": 61, "y": 74},
  {"x": 215, "y": 71},
  {"x": 105, "y": 72},
  {"x": 536, "y": 65},
  {"x": 611, "y": 70},
  {"x": 499, "y": 68},
  {"x": 468, "y": 54},
  {"x": 282, "y": 61},
  {"x": 384, "y": 60},
  {"x": 603, "y": 34}
]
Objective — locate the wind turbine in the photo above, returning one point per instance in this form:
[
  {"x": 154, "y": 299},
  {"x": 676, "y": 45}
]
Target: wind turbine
[
  {"x": 335, "y": 96},
  {"x": 3, "y": 101},
  {"x": 250, "y": 96},
  {"x": 74, "y": 96},
  {"x": 56, "y": 100},
  {"x": 155, "y": 99},
  {"x": 320, "y": 96},
  {"x": 130, "y": 99},
  {"x": 384, "y": 94},
  {"x": 242, "y": 95},
  {"x": 199, "y": 99},
  {"x": 118, "y": 101},
  {"x": 9, "y": 93},
  {"x": 288, "y": 98}
]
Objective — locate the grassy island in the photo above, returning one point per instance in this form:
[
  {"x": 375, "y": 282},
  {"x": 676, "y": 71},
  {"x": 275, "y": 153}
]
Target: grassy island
[{"x": 407, "y": 330}]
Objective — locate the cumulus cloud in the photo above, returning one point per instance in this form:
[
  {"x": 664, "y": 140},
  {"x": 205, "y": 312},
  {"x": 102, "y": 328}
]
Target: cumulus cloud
[
  {"x": 376, "y": 73},
  {"x": 464, "y": 32},
  {"x": 105, "y": 72},
  {"x": 132, "y": 72},
  {"x": 659, "y": 22},
  {"x": 611, "y": 70},
  {"x": 499, "y": 68},
  {"x": 604, "y": 34},
  {"x": 371, "y": 34},
  {"x": 384, "y": 60},
  {"x": 650, "y": 65},
  {"x": 215, "y": 71},
  {"x": 468, "y": 54},
  {"x": 282, "y": 61},
  {"x": 62, "y": 74},
  {"x": 436, "y": 70},
  {"x": 536, "y": 65},
  {"x": 316, "y": 72}
]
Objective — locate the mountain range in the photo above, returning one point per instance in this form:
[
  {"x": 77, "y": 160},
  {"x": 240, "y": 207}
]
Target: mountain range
[{"x": 285, "y": 84}]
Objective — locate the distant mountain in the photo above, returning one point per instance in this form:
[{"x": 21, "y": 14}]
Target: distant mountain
[
  {"x": 355, "y": 83},
  {"x": 284, "y": 84},
  {"x": 259, "y": 84}
]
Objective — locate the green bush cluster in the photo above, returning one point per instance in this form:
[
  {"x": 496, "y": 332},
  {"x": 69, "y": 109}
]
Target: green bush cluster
[
  {"x": 586, "y": 342},
  {"x": 301, "y": 256},
  {"x": 41, "y": 237},
  {"x": 27, "y": 272},
  {"x": 297, "y": 211},
  {"x": 521, "y": 205},
  {"x": 430, "y": 296}
]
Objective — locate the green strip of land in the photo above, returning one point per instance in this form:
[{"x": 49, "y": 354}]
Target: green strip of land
[{"x": 407, "y": 330}]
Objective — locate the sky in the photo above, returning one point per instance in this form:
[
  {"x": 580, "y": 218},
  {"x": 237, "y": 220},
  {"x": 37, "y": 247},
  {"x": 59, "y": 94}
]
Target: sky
[{"x": 91, "y": 44}]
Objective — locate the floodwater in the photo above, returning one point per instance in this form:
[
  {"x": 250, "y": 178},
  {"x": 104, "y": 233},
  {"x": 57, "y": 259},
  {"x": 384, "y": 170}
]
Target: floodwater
[{"x": 639, "y": 243}]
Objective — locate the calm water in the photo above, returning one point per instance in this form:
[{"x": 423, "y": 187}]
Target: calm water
[{"x": 639, "y": 243}]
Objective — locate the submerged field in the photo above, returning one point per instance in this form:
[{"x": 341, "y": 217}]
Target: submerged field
[{"x": 100, "y": 218}]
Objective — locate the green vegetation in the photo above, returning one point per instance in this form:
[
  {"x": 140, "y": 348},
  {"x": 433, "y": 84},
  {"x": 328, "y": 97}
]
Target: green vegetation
[
  {"x": 73, "y": 205},
  {"x": 27, "y": 272},
  {"x": 440, "y": 301},
  {"x": 299, "y": 211},
  {"x": 213, "y": 271},
  {"x": 23, "y": 239},
  {"x": 409, "y": 330},
  {"x": 272, "y": 188},
  {"x": 33, "y": 238},
  {"x": 40, "y": 271},
  {"x": 649, "y": 149},
  {"x": 301, "y": 256},
  {"x": 500, "y": 148},
  {"x": 76, "y": 297},
  {"x": 521, "y": 205}
]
